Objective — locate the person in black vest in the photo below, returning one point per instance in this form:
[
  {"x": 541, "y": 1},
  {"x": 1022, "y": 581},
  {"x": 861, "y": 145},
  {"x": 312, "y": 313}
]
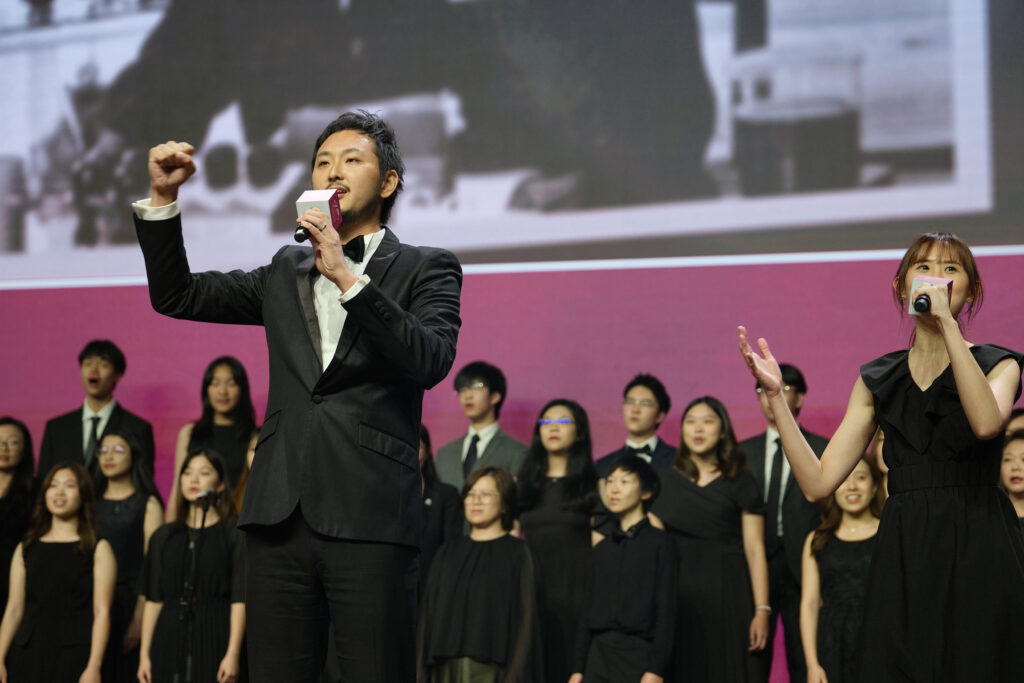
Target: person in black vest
[{"x": 789, "y": 517}]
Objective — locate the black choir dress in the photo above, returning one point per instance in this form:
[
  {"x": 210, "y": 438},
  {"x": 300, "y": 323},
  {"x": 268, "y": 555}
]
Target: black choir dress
[
  {"x": 121, "y": 522},
  {"x": 946, "y": 588},
  {"x": 221, "y": 582},
  {"x": 233, "y": 450},
  {"x": 481, "y": 604},
  {"x": 15, "y": 511},
  {"x": 716, "y": 602},
  {"x": 54, "y": 637},
  {"x": 560, "y": 540},
  {"x": 843, "y": 573}
]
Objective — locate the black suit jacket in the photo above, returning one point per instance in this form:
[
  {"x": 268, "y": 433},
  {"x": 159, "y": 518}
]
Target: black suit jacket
[
  {"x": 799, "y": 516},
  {"x": 62, "y": 438},
  {"x": 343, "y": 441},
  {"x": 662, "y": 457}
]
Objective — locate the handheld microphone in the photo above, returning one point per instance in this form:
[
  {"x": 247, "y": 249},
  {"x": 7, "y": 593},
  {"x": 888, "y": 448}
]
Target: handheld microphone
[
  {"x": 325, "y": 200},
  {"x": 209, "y": 493},
  {"x": 922, "y": 303}
]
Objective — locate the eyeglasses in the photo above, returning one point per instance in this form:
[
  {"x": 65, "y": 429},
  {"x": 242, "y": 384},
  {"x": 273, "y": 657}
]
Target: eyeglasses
[
  {"x": 11, "y": 444},
  {"x": 638, "y": 402},
  {"x": 785, "y": 389},
  {"x": 115, "y": 449},
  {"x": 482, "y": 496},
  {"x": 556, "y": 421},
  {"x": 472, "y": 386}
]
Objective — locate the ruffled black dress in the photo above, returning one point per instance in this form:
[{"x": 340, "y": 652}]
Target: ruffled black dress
[{"x": 946, "y": 587}]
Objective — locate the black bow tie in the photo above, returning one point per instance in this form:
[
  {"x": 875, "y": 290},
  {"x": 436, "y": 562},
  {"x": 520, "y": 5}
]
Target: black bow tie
[
  {"x": 645, "y": 450},
  {"x": 354, "y": 248},
  {"x": 619, "y": 535}
]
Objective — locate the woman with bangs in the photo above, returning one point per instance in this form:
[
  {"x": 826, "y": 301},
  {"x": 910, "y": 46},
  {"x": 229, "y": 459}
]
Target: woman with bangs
[
  {"x": 227, "y": 424},
  {"x": 557, "y": 502},
  {"x": 57, "y": 621},
  {"x": 711, "y": 506},
  {"x": 836, "y": 559},
  {"x": 194, "y": 584},
  {"x": 946, "y": 584}
]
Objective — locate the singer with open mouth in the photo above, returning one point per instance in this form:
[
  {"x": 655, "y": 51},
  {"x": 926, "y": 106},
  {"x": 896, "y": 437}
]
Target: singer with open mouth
[
  {"x": 946, "y": 586},
  {"x": 332, "y": 510}
]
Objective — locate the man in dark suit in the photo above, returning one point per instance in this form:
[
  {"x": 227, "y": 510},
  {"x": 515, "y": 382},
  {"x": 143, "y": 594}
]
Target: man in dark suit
[
  {"x": 645, "y": 403},
  {"x": 789, "y": 517},
  {"x": 75, "y": 436},
  {"x": 333, "y": 508},
  {"x": 481, "y": 390}
]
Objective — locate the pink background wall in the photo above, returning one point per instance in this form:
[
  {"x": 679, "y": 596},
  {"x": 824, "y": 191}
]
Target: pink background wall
[{"x": 578, "y": 334}]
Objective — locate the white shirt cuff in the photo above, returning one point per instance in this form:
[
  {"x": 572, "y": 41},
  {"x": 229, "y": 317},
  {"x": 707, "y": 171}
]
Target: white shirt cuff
[
  {"x": 354, "y": 289},
  {"x": 155, "y": 213}
]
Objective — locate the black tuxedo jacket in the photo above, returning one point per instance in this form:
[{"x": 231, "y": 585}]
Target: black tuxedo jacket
[
  {"x": 662, "y": 457},
  {"x": 342, "y": 442},
  {"x": 62, "y": 438},
  {"x": 799, "y": 516}
]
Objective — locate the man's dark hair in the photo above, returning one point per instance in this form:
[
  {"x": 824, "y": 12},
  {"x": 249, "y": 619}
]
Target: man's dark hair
[
  {"x": 491, "y": 375},
  {"x": 649, "y": 482},
  {"x": 792, "y": 376},
  {"x": 655, "y": 386},
  {"x": 388, "y": 156},
  {"x": 105, "y": 349}
]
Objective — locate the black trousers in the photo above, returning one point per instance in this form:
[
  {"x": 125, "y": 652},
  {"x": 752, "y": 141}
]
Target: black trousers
[
  {"x": 299, "y": 581},
  {"x": 617, "y": 658},
  {"x": 785, "y": 599}
]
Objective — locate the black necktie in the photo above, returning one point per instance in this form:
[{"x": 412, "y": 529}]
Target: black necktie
[
  {"x": 354, "y": 248},
  {"x": 94, "y": 440},
  {"x": 771, "y": 508},
  {"x": 469, "y": 464}
]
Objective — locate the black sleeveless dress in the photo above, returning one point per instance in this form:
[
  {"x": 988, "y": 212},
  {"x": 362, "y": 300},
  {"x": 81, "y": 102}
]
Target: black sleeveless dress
[
  {"x": 946, "y": 587},
  {"x": 843, "y": 570},
  {"x": 121, "y": 522},
  {"x": 53, "y": 640}
]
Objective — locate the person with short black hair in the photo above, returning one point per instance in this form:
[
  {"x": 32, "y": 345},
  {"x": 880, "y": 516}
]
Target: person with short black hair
[
  {"x": 75, "y": 436},
  {"x": 481, "y": 390},
  {"x": 1016, "y": 422},
  {"x": 645, "y": 404},
  {"x": 789, "y": 517},
  {"x": 355, "y": 335},
  {"x": 628, "y": 628},
  {"x": 479, "y": 621}
]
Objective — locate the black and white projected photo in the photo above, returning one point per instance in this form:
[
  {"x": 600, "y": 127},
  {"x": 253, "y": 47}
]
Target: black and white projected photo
[{"x": 532, "y": 130}]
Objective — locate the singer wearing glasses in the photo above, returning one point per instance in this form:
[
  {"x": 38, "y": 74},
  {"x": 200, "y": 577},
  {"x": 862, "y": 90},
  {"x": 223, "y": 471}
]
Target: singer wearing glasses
[
  {"x": 194, "y": 583},
  {"x": 354, "y": 336},
  {"x": 557, "y": 502},
  {"x": 946, "y": 587},
  {"x": 479, "y": 618}
]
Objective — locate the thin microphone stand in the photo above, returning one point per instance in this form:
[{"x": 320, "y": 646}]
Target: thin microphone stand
[{"x": 187, "y": 605}]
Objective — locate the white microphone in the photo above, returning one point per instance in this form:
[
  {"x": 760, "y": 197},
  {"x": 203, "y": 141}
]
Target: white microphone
[
  {"x": 206, "y": 494},
  {"x": 325, "y": 200}
]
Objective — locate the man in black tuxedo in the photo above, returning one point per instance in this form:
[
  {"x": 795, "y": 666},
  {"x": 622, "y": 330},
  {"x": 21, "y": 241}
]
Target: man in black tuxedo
[
  {"x": 333, "y": 507},
  {"x": 789, "y": 517},
  {"x": 75, "y": 436},
  {"x": 645, "y": 403}
]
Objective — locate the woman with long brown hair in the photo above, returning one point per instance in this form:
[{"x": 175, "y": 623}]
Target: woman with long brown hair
[
  {"x": 57, "y": 620},
  {"x": 946, "y": 585},
  {"x": 836, "y": 559},
  {"x": 711, "y": 506}
]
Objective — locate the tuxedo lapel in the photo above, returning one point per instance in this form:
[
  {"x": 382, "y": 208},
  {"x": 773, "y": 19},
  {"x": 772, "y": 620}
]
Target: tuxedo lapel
[
  {"x": 305, "y": 275},
  {"x": 376, "y": 270}
]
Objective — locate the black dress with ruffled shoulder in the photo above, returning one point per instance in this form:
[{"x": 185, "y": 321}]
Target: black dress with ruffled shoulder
[{"x": 946, "y": 589}]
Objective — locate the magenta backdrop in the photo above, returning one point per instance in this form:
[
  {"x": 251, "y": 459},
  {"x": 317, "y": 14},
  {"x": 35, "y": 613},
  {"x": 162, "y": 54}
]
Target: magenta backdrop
[{"x": 579, "y": 334}]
